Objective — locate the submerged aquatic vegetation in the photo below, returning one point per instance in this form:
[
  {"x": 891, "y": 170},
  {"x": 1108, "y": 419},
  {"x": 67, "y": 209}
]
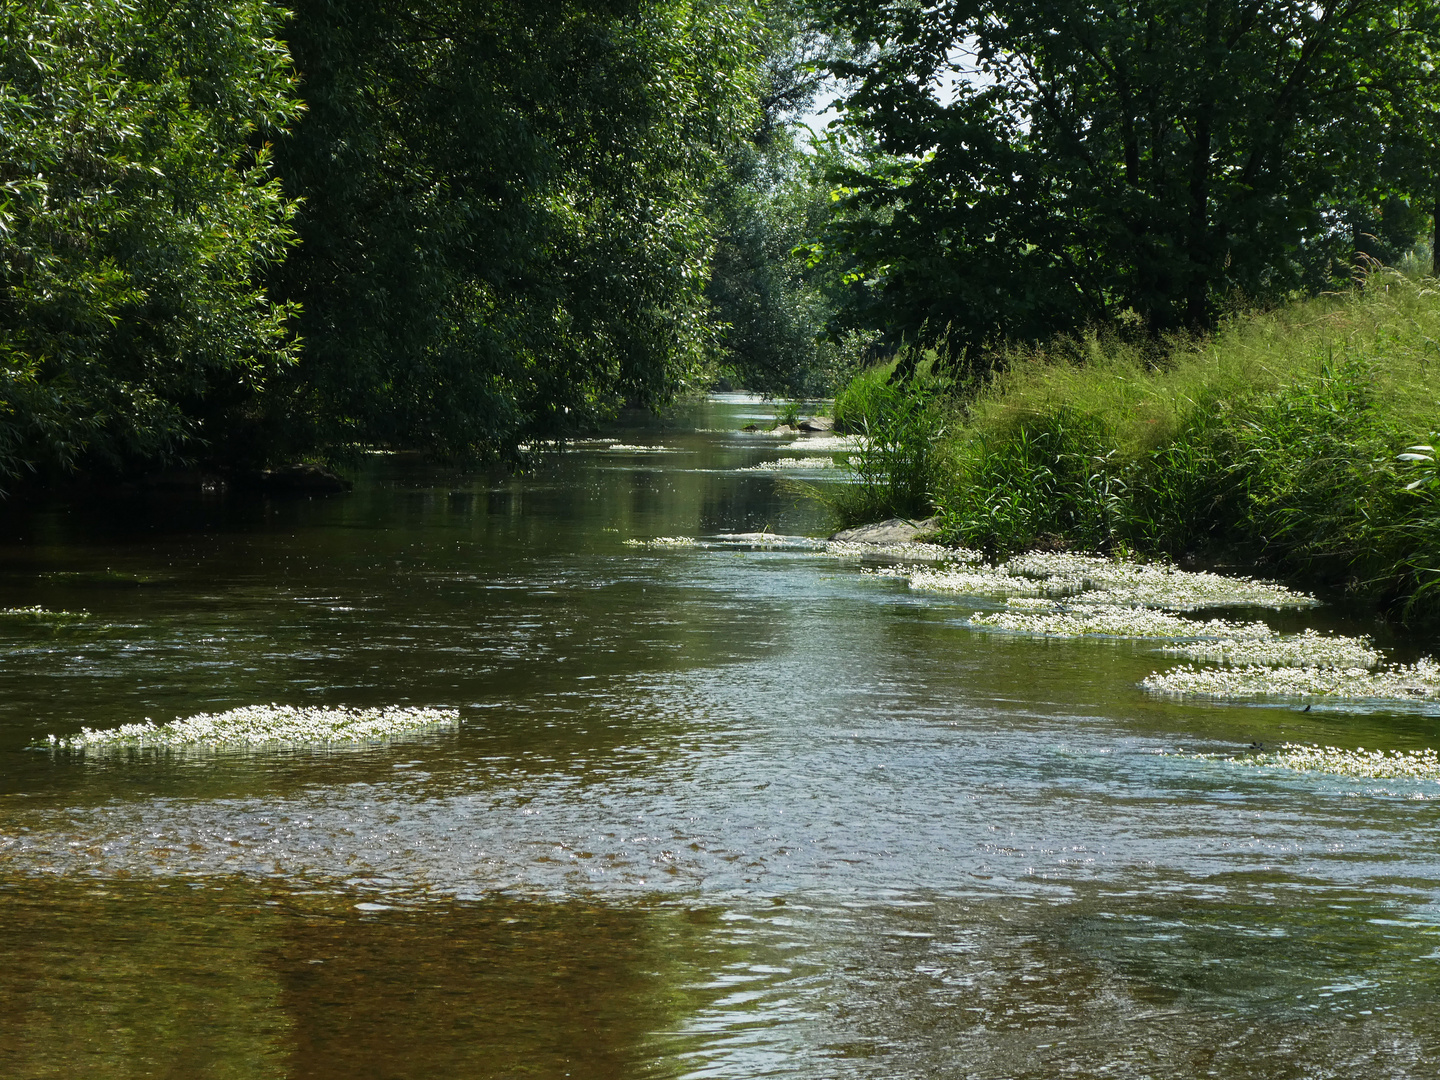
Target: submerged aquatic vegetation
[
  {"x": 253, "y": 725},
  {"x": 1419, "y": 681},
  {"x": 1306, "y": 649}
]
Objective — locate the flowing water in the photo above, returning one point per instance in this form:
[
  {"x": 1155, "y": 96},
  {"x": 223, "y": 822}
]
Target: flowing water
[{"x": 708, "y": 812}]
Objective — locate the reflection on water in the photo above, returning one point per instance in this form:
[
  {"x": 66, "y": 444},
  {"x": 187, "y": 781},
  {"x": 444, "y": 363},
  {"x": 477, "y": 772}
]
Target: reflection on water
[{"x": 708, "y": 812}]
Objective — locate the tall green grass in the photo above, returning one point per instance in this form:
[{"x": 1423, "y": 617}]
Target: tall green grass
[
  {"x": 1284, "y": 440},
  {"x": 900, "y": 423}
]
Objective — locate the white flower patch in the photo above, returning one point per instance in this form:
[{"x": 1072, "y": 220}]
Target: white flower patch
[
  {"x": 785, "y": 464},
  {"x": 1304, "y": 650},
  {"x": 665, "y": 542},
  {"x": 1408, "y": 682},
  {"x": 255, "y": 725},
  {"x": 991, "y": 581},
  {"x": 918, "y": 552},
  {"x": 1359, "y": 763},
  {"x": 40, "y": 614},
  {"x": 1084, "y": 620},
  {"x": 769, "y": 540},
  {"x": 826, "y": 444},
  {"x": 1158, "y": 585},
  {"x": 630, "y": 448}
]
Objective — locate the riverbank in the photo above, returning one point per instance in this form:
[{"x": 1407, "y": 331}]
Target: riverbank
[{"x": 1297, "y": 441}]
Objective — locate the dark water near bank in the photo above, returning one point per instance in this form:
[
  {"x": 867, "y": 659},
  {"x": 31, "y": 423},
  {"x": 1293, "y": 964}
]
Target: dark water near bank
[{"x": 716, "y": 813}]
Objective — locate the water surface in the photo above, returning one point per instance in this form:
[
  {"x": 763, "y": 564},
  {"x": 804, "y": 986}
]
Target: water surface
[{"x": 709, "y": 812}]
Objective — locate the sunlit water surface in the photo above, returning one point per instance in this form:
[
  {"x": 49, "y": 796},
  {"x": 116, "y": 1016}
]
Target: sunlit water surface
[{"x": 708, "y": 812}]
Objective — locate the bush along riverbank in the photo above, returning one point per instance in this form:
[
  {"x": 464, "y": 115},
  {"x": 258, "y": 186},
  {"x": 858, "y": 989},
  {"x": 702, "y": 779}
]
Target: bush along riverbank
[{"x": 1301, "y": 441}]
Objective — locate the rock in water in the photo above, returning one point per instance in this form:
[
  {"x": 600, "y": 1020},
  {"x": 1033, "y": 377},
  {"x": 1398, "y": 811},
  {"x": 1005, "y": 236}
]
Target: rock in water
[{"x": 894, "y": 531}]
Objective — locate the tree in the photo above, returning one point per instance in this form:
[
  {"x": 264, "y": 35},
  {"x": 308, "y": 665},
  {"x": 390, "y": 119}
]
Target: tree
[
  {"x": 138, "y": 210},
  {"x": 504, "y": 228},
  {"x": 769, "y": 204},
  {"x": 1099, "y": 156}
]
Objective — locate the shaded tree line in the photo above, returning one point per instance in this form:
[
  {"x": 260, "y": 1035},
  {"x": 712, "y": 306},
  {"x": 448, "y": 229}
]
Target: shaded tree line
[
  {"x": 1031, "y": 167},
  {"x": 236, "y": 234}
]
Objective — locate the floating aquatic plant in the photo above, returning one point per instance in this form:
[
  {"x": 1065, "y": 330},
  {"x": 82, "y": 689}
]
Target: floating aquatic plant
[
  {"x": 911, "y": 551},
  {"x": 1307, "y": 649},
  {"x": 793, "y": 463},
  {"x": 253, "y": 725},
  {"x": 1159, "y": 585},
  {"x": 1369, "y": 765},
  {"x": 1419, "y": 681},
  {"x": 1359, "y": 763},
  {"x": 767, "y": 540},
  {"x": 631, "y": 448},
  {"x": 40, "y": 614},
  {"x": 1083, "y": 620},
  {"x": 826, "y": 444},
  {"x": 991, "y": 581},
  {"x": 665, "y": 542}
]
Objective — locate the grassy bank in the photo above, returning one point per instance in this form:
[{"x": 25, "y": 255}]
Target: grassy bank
[{"x": 1288, "y": 440}]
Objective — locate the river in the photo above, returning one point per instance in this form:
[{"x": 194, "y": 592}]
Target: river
[{"x": 714, "y": 811}]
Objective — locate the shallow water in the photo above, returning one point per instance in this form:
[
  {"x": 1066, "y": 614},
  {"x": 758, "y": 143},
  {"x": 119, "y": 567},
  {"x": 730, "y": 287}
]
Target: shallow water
[{"x": 708, "y": 812}]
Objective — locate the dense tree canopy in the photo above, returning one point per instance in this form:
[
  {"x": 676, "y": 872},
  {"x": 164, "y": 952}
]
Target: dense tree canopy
[
  {"x": 137, "y": 210},
  {"x": 1053, "y": 162},
  {"x": 503, "y": 228},
  {"x": 234, "y": 234}
]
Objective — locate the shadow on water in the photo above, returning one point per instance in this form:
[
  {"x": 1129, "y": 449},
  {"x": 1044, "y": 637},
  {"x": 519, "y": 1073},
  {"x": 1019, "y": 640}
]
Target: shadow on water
[
  {"x": 707, "y": 812},
  {"x": 228, "y": 979}
]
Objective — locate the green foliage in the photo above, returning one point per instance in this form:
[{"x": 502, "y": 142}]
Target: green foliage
[
  {"x": 1155, "y": 158},
  {"x": 898, "y": 421},
  {"x": 770, "y": 301},
  {"x": 138, "y": 209},
  {"x": 787, "y": 414},
  {"x": 1052, "y": 477},
  {"x": 504, "y": 228},
  {"x": 771, "y": 204},
  {"x": 1282, "y": 440}
]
